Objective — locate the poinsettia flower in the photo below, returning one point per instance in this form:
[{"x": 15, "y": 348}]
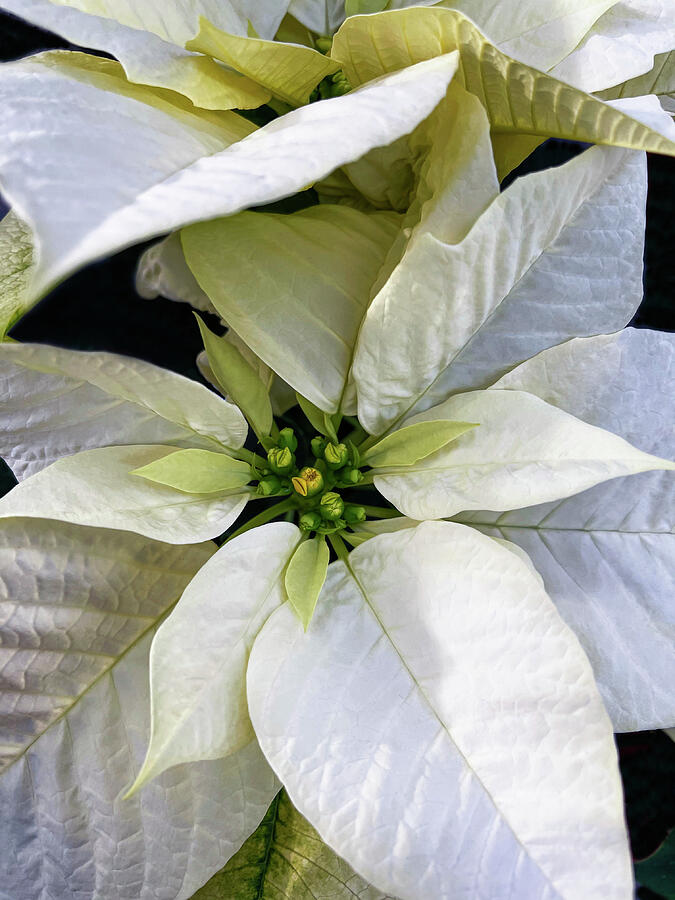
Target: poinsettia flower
[{"x": 500, "y": 448}]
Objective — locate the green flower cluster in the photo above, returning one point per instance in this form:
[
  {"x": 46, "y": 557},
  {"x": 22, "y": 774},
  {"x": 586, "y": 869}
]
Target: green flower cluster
[{"x": 314, "y": 487}]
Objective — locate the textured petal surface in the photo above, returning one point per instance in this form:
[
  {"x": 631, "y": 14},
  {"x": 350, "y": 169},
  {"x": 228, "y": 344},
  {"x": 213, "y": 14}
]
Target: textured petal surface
[
  {"x": 659, "y": 80},
  {"x": 95, "y": 488},
  {"x": 556, "y": 255},
  {"x": 151, "y": 170},
  {"x": 16, "y": 263},
  {"x": 524, "y": 451},
  {"x": 607, "y": 555},
  {"x": 295, "y": 287},
  {"x": 439, "y": 725},
  {"x": 289, "y": 71},
  {"x": 285, "y": 859},
  {"x": 621, "y": 45},
  {"x": 78, "y": 608},
  {"x": 199, "y": 654},
  {"x": 58, "y": 402},
  {"x": 518, "y": 98},
  {"x": 540, "y": 34},
  {"x": 146, "y": 49}
]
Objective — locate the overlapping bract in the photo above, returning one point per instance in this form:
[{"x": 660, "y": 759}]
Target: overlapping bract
[{"x": 438, "y": 722}]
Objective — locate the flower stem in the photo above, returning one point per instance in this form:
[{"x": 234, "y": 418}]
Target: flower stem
[
  {"x": 381, "y": 512},
  {"x": 339, "y": 546},
  {"x": 251, "y": 458},
  {"x": 265, "y": 516}
]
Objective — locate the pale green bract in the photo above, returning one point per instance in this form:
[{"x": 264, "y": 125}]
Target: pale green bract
[
  {"x": 238, "y": 380},
  {"x": 197, "y": 471},
  {"x": 413, "y": 442},
  {"x": 447, "y": 342},
  {"x": 305, "y": 576}
]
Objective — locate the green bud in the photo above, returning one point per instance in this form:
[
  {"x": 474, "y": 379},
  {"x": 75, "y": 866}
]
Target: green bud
[
  {"x": 323, "y": 44},
  {"x": 281, "y": 460},
  {"x": 354, "y": 455},
  {"x": 354, "y": 514},
  {"x": 269, "y": 486},
  {"x": 336, "y": 455},
  {"x": 288, "y": 439},
  {"x": 331, "y": 506},
  {"x": 310, "y": 521},
  {"x": 351, "y": 476},
  {"x": 318, "y": 445},
  {"x": 330, "y": 527},
  {"x": 308, "y": 483}
]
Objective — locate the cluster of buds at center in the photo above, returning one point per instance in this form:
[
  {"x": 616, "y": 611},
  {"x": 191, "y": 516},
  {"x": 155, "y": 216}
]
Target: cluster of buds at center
[
  {"x": 314, "y": 487},
  {"x": 335, "y": 466}
]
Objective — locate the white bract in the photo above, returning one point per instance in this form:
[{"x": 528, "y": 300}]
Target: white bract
[
  {"x": 79, "y": 608},
  {"x": 435, "y": 702}
]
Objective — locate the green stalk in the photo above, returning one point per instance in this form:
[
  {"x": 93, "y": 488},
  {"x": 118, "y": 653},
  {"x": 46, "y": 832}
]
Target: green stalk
[
  {"x": 251, "y": 458},
  {"x": 339, "y": 546},
  {"x": 381, "y": 512},
  {"x": 265, "y": 516},
  {"x": 369, "y": 442}
]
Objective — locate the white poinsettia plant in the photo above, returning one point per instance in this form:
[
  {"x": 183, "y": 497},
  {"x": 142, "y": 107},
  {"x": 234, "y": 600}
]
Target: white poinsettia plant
[{"x": 364, "y": 625}]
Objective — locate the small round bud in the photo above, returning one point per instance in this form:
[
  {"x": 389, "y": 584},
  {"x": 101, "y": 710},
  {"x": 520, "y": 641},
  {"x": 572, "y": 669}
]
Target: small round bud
[
  {"x": 330, "y": 527},
  {"x": 308, "y": 483},
  {"x": 354, "y": 514},
  {"x": 331, "y": 506},
  {"x": 281, "y": 460},
  {"x": 269, "y": 486},
  {"x": 351, "y": 476},
  {"x": 323, "y": 44},
  {"x": 310, "y": 521},
  {"x": 336, "y": 455},
  {"x": 318, "y": 445},
  {"x": 288, "y": 439}
]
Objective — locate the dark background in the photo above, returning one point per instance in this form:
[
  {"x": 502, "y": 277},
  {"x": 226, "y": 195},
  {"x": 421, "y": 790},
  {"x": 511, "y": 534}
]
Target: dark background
[{"x": 98, "y": 309}]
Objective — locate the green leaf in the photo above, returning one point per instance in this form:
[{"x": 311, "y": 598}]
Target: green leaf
[
  {"x": 313, "y": 414},
  {"x": 238, "y": 380},
  {"x": 413, "y": 442},
  {"x": 289, "y": 71},
  {"x": 657, "y": 872},
  {"x": 305, "y": 576},
  {"x": 197, "y": 471},
  {"x": 16, "y": 262},
  {"x": 517, "y": 97},
  {"x": 660, "y": 80},
  {"x": 285, "y": 859}
]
